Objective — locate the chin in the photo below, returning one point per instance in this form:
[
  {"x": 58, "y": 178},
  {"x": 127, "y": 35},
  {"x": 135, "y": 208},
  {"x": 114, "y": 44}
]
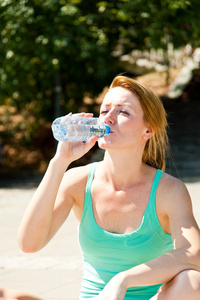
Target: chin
[{"x": 104, "y": 144}]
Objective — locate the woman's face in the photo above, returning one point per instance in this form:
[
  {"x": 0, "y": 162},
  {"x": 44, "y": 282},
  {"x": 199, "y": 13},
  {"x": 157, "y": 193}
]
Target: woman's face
[{"x": 122, "y": 112}]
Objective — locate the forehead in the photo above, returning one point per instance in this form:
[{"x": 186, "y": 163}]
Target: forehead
[{"x": 120, "y": 96}]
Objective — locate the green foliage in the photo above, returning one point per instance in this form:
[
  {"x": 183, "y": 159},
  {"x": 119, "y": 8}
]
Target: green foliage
[
  {"x": 39, "y": 37},
  {"x": 152, "y": 24},
  {"x": 78, "y": 39}
]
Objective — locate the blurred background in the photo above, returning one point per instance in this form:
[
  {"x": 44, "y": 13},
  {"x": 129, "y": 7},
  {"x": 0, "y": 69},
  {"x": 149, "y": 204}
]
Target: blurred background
[{"x": 60, "y": 56}]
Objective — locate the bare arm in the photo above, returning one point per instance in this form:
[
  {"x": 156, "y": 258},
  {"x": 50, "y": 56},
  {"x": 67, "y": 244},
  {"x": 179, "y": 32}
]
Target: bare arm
[
  {"x": 52, "y": 201},
  {"x": 186, "y": 255}
]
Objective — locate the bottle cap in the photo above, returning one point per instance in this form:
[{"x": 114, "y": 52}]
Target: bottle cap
[{"x": 107, "y": 129}]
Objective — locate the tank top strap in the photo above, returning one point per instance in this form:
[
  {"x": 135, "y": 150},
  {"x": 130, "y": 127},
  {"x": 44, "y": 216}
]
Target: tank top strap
[
  {"x": 155, "y": 185},
  {"x": 87, "y": 201},
  {"x": 150, "y": 212}
]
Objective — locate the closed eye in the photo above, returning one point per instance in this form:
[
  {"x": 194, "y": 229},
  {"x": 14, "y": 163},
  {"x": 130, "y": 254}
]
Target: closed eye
[
  {"x": 103, "y": 112},
  {"x": 124, "y": 112}
]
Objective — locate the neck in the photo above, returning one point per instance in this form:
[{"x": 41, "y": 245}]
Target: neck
[{"x": 123, "y": 169}]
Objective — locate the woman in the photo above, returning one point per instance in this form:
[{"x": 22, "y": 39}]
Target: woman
[{"x": 137, "y": 229}]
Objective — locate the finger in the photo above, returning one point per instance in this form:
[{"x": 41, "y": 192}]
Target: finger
[
  {"x": 66, "y": 117},
  {"x": 83, "y": 114},
  {"x": 89, "y": 115},
  {"x": 90, "y": 143}
]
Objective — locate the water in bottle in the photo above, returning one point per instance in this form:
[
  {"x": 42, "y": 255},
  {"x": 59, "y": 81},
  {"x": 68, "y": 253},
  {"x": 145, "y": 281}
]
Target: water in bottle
[{"x": 76, "y": 129}]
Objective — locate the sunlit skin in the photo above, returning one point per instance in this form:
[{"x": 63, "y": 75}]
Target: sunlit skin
[{"x": 122, "y": 111}]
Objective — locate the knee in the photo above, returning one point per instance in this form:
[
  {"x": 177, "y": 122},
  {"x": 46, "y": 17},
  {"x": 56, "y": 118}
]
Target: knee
[
  {"x": 192, "y": 280},
  {"x": 3, "y": 292},
  {"x": 186, "y": 284}
]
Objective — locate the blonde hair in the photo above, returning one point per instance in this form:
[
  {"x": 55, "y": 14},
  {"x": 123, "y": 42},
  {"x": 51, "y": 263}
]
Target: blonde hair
[{"x": 155, "y": 149}]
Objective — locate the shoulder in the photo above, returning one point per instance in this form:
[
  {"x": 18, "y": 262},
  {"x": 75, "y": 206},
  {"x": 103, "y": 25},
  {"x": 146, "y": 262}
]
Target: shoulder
[
  {"x": 173, "y": 204},
  {"x": 74, "y": 181},
  {"x": 75, "y": 176},
  {"x": 173, "y": 194},
  {"x": 172, "y": 186}
]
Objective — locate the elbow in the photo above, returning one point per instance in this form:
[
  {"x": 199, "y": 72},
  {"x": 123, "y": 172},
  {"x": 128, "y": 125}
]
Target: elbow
[
  {"x": 26, "y": 245},
  {"x": 26, "y": 248},
  {"x": 29, "y": 241}
]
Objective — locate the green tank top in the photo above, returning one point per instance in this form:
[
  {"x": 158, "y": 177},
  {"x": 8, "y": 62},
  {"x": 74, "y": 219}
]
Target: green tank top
[{"x": 105, "y": 254}]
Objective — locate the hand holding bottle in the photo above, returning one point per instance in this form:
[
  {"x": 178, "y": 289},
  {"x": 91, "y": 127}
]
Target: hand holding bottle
[{"x": 70, "y": 151}]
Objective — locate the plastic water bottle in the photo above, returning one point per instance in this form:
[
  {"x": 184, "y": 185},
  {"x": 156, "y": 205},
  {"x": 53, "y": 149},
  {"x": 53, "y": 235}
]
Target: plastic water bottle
[{"x": 76, "y": 129}]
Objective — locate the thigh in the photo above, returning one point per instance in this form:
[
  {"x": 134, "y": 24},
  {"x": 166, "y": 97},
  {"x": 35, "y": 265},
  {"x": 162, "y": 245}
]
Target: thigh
[{"x": 184, "y": 286}]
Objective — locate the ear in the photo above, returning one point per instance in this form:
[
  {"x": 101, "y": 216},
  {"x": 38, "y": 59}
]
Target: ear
[{"x": 148, "y": 133}]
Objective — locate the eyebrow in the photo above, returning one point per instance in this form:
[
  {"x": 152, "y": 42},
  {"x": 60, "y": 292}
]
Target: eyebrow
[{"x": 118, "y": 105}]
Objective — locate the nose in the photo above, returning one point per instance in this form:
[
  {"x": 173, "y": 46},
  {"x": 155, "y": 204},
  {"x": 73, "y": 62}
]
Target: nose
[{"x": 109, "y": 118}]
